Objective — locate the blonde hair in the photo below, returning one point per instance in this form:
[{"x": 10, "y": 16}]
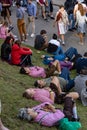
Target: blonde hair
[{"x": 81, "y": 9}]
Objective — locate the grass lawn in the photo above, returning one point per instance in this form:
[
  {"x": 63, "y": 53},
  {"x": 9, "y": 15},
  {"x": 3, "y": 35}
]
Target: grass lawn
[{"x": 12, "y": 85}]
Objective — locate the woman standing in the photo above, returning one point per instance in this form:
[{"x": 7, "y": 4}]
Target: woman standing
[
  {"x": 81, "y": 22},
  {"x": 61, "y": 19}
]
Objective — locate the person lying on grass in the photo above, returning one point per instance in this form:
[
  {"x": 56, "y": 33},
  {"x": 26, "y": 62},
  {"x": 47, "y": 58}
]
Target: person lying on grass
[
  {"x": 45, "y": 114},
  {"x": 37, "y": 71},
  {"x": 51, "y": 94},
  {"x": 66, "y": 83}
]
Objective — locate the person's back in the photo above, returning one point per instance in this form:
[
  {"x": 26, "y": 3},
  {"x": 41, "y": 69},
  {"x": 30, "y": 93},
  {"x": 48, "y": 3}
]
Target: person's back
[
  {"x": 5, "y": 51},
  {"x": 39, "y": 41}
]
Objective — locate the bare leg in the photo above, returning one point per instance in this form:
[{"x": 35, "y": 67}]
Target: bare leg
[
  {"x": 2, "y": 127},
  {"x": 56, "y": 63}
]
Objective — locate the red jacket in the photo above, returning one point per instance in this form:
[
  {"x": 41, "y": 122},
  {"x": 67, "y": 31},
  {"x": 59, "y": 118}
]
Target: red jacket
[{"x": 17, "y": 52}]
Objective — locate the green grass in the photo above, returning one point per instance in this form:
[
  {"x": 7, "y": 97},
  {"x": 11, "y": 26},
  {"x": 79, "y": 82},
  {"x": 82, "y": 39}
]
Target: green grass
[{"x": 12, "y": 85}]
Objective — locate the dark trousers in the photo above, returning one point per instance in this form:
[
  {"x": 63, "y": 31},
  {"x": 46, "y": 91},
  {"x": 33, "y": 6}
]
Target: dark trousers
[{"x": 25, "y": 60}]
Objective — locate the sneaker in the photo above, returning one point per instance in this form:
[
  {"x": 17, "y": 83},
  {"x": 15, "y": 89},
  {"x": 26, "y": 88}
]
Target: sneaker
[
  {"x": 26, "y": 40},
  {"x": 14, "y": 36},
  {"x": 81, "y": 43},
  {"x": 32, "y": 35},
  {"x": 63, "y": 43}
]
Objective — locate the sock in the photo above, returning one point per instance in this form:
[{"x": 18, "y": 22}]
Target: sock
[{"x": 75, "y": 112}]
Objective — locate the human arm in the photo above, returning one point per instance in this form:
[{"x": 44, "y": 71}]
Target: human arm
[{"x": 25, "y": 51}]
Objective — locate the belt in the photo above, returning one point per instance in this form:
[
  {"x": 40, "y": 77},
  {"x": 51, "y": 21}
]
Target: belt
[{"x": 29, "y": 15}]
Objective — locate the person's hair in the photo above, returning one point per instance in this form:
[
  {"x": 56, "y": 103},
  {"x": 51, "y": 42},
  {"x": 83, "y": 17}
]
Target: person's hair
[
  {"x": 61, "y": 6},
  {"x": 26, "y": 95},
  {"x": 18, "y": 4},
  {"x": 81, "y": 9},
  {"x": 43, "y": 32},
  {"x": 54, "y": 36},
  {"x": 5, "y": 23},
  {"x": 36, "y": 84},
  {"x": 22, "y": 70},
  {"x": 18, "y": 42},
  {"x": 85, "y": 54},
  {"x": 8, "y": 38}
]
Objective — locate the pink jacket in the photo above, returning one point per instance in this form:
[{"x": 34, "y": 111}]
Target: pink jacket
[{"x": 47, "y": 118}]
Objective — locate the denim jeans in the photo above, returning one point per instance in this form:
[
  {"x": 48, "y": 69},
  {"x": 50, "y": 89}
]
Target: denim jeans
[
  {"x": 71, "y": 21},
  {"x": 71, "y": 52}
]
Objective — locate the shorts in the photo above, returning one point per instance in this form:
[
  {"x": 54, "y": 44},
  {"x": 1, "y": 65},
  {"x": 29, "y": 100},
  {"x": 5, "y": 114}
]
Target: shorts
[{"x": 41, "y": 7}]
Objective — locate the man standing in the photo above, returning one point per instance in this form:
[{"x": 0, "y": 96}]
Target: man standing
[{"x": 31, "y": 10}]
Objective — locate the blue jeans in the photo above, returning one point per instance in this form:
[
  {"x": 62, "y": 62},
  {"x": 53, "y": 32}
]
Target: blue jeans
[
  {"x": 71, "y": 52},
  {"x": 65, "y": 74},
  {"x": 58, "y": 51},
  {"x": 71, "y": 21}
]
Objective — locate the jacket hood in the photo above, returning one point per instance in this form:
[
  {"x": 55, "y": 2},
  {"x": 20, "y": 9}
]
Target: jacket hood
[{"x": 15, "y": 47}]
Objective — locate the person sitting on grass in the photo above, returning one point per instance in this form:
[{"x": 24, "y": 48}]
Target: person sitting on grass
[
  {"x": 37, "y": 71},
  {"x": 41, "y": 41},
  {"x": 20, "y": 55},
  {"x": 6, "y": 48}
]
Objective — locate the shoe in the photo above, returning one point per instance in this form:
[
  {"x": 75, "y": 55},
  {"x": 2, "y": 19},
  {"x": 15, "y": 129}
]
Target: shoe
[
  {"x": 14, "y": 36},
  {"x": 81, "y": 43},
  {"x": 46, "y": 19},
  {"x": 32, "y": 35},
  {"x": 22, "y": 42},
  {"x": 51, "y": 17},
  {"x": 70, "y": 30},
  {"x": 63, "y": 43},
  {"x": 26, "y": 40}
]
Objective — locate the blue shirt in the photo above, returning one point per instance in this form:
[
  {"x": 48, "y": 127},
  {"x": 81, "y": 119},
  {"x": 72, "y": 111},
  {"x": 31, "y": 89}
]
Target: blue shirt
[
  {"x": 31, "y": 9},
  {"x": 20, "y": 13}
]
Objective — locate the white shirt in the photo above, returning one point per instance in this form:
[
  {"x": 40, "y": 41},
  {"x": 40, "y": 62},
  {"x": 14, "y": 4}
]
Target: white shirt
[{"x": 55, "y": 42}]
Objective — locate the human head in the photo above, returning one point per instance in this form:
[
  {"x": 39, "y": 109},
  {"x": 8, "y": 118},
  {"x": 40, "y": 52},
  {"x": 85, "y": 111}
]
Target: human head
[
  {"x": 81, "y": 9},
  {"x": 43, "y": 32},
  {"x": 39, "y": 83},
  {"x": 61, "y": 7},
  {"x": 29, "y": 1},
  {"x": 9, "y": 40},
  {"x": 29, "y": 93},
  {"x": 54, "y": 36},
  {"x": 24, "y": 114},
  {"x": 5, "y": 23},
  {"x": 24, "y": 70},
  {"x": 18, "y": 4},
  {"x": 18, "y": 42}
]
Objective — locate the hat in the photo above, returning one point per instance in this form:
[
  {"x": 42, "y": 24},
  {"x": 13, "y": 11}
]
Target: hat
[
  {"x": 84, "y": 96},
  {"x": 24, "y": 115}
]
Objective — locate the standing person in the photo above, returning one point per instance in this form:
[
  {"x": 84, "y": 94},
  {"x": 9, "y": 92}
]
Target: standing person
[
  {"x": 21, "y": 22},
  {"x": 81, "y": 22},
  {"x": 61, "y": 19},
  {"x": 41, "y": 5},
  {"x": 31, "y": 10},
  {"x": 69, "y": 7},
  {"x": 6, "y": 12}
]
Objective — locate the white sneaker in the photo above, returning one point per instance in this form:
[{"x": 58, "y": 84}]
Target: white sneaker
[
  {"x": 27, "y": 34},
  {"x": 14, "y": 36},
  {"x": 32, "y": 35}
]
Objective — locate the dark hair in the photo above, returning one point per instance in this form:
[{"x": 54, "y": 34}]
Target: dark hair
[
  {"x": 22, "y": 70},
  {"x": 8, "y": 38},
  {"x": 18, "y": 4},
  {"x": 85, "y": 54},
  {"x": 36, "y": 84},
  {"x": 26, "y": 95},
  {"x": 18, "y": 42},
  {"x": 43, "y": 32},
  {"x": 54, "y": 36},
  {"x": 61, "y": 6}
]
